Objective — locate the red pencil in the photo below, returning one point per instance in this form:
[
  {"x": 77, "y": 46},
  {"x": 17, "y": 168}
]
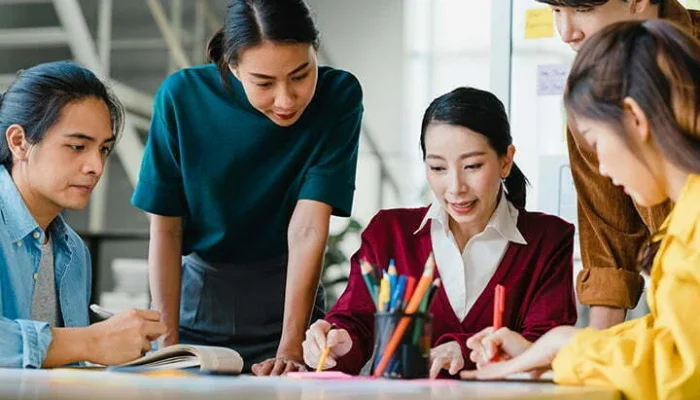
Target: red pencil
[
  {"x": 410, "y": 287},
  {"x": 499, "y": 305}
]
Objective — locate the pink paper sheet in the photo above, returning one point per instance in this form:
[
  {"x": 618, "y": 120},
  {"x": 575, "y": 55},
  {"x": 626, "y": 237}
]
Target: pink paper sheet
[
  {"x": 340, "y": 376},
  {"x": 327, "y": 375}
]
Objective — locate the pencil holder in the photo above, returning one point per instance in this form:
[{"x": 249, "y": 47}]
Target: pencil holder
[{"x": 411, "y": 357}]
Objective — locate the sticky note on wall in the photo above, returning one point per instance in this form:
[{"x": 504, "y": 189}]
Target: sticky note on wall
[{"x": 539, "y": 23}]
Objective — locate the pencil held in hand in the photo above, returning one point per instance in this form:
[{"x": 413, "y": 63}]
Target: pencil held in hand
[
  {"x": 101, "y": 312},
  {"x": 322, "y": 361},
  {"x": 499, "y": 305}
]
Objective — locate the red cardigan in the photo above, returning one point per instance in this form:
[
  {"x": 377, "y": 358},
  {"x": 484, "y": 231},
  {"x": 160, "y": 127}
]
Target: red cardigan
[{"x": 538, "y": 278}]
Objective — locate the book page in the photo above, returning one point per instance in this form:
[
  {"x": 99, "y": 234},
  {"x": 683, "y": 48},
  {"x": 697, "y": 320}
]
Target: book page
[{"x": 207, "y": 358}]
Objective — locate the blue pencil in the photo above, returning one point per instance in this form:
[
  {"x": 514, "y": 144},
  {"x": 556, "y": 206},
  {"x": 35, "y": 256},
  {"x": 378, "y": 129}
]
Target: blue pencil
[
  {"x": 397, "y": 295},
  {"x": 392, "y": 276}
]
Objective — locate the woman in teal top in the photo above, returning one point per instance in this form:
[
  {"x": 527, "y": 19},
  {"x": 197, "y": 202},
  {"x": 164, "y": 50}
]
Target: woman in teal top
[{"x": 246, "y": 160}]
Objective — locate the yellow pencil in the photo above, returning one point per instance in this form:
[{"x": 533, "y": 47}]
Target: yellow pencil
[
  {"x": 322, "y": 361},
  {"x": 383, "y": 297}
]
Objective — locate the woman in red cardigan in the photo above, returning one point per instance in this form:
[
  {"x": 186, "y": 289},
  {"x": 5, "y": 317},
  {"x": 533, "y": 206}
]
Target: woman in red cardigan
[{"x": 480, "y": 234}]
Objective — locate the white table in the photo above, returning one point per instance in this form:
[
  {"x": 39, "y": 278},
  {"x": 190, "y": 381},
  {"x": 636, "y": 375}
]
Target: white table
[{"x": 75, "y": 384}]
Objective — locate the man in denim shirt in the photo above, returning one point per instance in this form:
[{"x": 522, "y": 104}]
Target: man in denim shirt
[{"x": 58, "y": 124}]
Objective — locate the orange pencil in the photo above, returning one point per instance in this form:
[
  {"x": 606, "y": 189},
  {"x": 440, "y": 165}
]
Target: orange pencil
[{"x": 422, "y": 287}]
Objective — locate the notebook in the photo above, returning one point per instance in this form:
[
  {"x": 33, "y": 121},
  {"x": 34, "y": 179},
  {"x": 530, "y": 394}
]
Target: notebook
[{"x": 206, "y": 359}]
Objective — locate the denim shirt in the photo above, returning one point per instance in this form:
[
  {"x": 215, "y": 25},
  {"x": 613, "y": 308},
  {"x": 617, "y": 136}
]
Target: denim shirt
[{"x": 23, "y": 342}]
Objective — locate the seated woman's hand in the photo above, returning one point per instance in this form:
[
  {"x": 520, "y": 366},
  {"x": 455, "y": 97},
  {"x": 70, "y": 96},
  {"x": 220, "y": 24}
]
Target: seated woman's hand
[
  {"x": 446, "y": 356},
  {"x": 321, "y": 335},
  {"x": 491, "y": 345},
  {"x": 536, "y": 359}
]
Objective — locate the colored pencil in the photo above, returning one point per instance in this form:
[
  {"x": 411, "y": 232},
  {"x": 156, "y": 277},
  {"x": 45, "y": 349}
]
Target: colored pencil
[
  {"x": 322, "y": 361},
  {"x": 424, "y": 306},
  {"x": 410, "y": 287},
  {"x": 397, "y": 295},
  {"x": 393, "y": 275},
  {"x": 366, "y": 269},
  {"x": 499, "y": 305},
  {"x": 384, "y": 295}
]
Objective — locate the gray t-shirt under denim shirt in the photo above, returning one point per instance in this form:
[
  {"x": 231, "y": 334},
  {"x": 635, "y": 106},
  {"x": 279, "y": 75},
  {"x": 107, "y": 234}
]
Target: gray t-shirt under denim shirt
[{"x": 44, "y": 299}]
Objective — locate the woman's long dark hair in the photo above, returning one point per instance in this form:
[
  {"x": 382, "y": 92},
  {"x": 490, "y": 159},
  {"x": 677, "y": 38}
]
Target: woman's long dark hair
[
  {"x": 481, "y": 112},
  {"x": 250, "y": 22},
  {"x": 657, "y": 64}
]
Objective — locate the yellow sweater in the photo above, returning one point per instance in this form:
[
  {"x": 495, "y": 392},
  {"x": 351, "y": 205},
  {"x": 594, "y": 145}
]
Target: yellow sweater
[{"x": 658, "y": 356}]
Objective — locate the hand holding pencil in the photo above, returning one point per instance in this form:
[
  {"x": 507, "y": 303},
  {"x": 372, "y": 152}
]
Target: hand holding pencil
[
  {"x": 496, "y": 343},
  {"x": 324, "y": 344}
]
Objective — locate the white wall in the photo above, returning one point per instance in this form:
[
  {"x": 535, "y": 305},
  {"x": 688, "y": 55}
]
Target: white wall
[
  {"x": 447, "y": 44},
  {"x": 366, "y": 38}
]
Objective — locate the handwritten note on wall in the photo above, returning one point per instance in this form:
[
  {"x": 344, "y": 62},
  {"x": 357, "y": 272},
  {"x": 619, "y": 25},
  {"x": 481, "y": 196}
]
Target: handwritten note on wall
[
  {"x": 539, "y": 23},
  {"x": 551, "y": 79}
]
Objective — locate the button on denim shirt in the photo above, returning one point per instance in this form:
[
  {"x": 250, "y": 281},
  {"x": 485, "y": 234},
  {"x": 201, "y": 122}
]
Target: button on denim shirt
[{"x": 23, "y": 342}]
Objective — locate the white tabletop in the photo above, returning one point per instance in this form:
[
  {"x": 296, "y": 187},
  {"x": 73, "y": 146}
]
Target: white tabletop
[{"x": 75, "y": 384}]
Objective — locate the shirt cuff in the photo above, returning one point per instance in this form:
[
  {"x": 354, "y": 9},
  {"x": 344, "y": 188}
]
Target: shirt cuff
[
  {"x": 611, "y": 287},
  {"x": 36, "y": 338},
  {"x": 329, "y": 191},
  {"x": 159, "y": 199}
]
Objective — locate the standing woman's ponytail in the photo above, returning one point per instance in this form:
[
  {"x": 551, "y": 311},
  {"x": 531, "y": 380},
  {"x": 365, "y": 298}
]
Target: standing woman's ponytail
[
  {"x": 215, "y": 47},
  {"x": 215, "y": 52}
]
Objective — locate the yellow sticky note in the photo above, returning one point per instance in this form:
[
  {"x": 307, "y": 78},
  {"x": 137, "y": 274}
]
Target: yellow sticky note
[
  {"x": 539, "y": 23},
  {"x": 694, "y": 4}
]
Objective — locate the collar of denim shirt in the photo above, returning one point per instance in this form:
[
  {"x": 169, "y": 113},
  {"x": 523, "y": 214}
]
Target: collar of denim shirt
[{"x": 16, "y": 216}]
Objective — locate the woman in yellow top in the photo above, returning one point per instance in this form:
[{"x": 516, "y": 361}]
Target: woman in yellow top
[{"x": 633, "y": 95}]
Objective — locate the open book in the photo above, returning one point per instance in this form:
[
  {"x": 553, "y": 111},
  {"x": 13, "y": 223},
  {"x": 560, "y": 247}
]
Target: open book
[{"x": 210, "y": 359}]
